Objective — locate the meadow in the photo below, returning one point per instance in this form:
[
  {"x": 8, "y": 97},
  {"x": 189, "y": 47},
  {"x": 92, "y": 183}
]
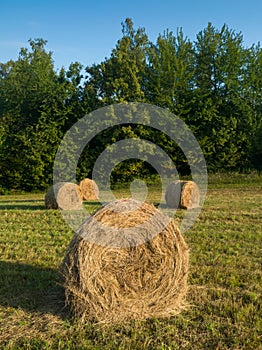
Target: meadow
[{"x": 225, "y": 280}]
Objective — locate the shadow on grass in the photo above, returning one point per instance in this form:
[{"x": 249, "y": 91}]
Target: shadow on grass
[
  {"x": 31, "y": 288},
  {"x": 37, "y": 204},
  {"x": 21, "y": 207},
  {"x": 20, "y": 200},
  {"x": 22, "y": 204}
]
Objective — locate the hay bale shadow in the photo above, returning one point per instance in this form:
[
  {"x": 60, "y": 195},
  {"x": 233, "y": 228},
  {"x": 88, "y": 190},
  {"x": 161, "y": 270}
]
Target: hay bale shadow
[
  {"x": 22, "y": 204},
  {"x": 31, "y": 288}
]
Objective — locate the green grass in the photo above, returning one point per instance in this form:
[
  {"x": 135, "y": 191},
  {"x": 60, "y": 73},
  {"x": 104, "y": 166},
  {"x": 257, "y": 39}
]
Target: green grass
[{"x": 225, "y": 278}]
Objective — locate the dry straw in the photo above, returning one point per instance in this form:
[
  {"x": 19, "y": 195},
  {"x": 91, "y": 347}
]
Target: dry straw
[
  {"x": 63, "y": 195},
  {"x": 182, "y": 194},
  {"x": 105, "y": 283},
  {"x": 89, "y": 189}
]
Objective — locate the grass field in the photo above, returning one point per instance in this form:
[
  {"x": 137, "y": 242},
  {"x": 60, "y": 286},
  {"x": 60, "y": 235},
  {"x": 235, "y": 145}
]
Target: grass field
[{"x": 225, "y": 278}]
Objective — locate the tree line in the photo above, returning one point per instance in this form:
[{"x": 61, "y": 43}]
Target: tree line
[{"x": 214, "y": 84}]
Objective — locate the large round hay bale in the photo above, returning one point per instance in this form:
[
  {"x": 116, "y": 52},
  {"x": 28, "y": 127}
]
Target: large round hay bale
[
  {"x": 89, "y": 189},
  {"x": 182, "y": 194},
  {"x": 63, "y": 195},
  {"x": 106, "y": 283}
]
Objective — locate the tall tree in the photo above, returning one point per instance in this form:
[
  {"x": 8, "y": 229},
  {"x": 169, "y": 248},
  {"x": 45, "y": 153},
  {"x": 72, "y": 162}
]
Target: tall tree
[
  {"x": 39, "y": 105},
  {"x": 171, "y": 72},
  {"x": 222, "y": 117},
  {"x": 25, "y": 86},
  {"x": 121, "y": 77},
  {"x": 252, "y": 96}
]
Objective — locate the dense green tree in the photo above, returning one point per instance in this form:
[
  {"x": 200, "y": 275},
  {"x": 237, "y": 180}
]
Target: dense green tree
[
  {"x": 252, "y": 96},
  {"x": 222, "y": 117},
  {"x": 120, "y": 78},
  {"x": 37, "y": 106},
  {"x": 256, "y": 150},
  {"x": 171, "y": 72},
  {"x": 214, "y": 84},
  {"x": 26, "y": 84}
]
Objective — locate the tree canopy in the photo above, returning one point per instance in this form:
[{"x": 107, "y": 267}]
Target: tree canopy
[{"x": 214, "y": 84}]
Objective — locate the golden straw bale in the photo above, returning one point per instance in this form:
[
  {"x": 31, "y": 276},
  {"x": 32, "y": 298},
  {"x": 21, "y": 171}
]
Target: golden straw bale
[
  {"x": 182, "y": 194},
  {"x": 89, "y": 189},
  {"x": 128, "y": 261},
  {"x": 63, "y": 195}
]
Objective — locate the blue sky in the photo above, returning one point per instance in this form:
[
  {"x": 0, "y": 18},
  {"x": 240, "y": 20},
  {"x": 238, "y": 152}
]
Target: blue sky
[{"x": 86, "y": 31}]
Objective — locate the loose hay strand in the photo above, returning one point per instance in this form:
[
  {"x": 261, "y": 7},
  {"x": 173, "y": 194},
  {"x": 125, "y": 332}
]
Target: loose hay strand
[{"x": 108, "y": 284}]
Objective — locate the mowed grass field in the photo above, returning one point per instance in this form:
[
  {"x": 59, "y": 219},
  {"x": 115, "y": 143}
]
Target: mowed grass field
[{"x": 225, "y": 280}]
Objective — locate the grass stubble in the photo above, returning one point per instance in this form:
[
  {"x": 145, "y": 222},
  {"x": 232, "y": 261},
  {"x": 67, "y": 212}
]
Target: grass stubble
[{"x": 225, "y": 279}]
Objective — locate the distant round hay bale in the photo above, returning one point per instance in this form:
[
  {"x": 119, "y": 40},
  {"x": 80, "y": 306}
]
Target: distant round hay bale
[
  {"x": 63, "y": 195},
  {"x": 110, "y": 284},
  {"x": 89, "y": 189},
  {"x": 182, "y": 194}
]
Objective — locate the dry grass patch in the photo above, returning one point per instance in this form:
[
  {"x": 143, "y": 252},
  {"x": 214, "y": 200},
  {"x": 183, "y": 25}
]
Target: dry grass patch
[{"x": 224, "y": 278}]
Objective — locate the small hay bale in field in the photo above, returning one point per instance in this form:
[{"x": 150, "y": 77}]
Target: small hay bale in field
[
  {"x": 118, "y": 280},
  {"x": 182, "y": 194},
  {"x": 89, "y": 189},
  {"x": 63, "y": 195}
]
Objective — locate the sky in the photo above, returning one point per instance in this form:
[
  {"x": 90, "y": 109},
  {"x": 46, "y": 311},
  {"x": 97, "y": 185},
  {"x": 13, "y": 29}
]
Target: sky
[{"x": 87, "y": 30}]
